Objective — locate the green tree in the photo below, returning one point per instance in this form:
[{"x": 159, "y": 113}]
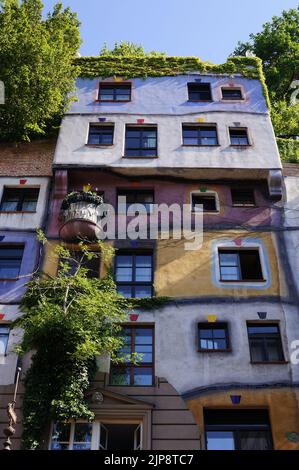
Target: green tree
[
  {"x": 36, "y": 66},
  {"x": 68, "y": 321},
  {"x": 128, "y": 49},
  {"x": 278, "y": 47}
]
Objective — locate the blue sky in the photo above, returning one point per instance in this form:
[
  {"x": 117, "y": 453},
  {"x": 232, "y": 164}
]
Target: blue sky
[{"x": 209, "y": 29}]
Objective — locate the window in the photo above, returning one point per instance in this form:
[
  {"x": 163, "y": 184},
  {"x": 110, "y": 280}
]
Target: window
[
  {"x": 240, "y": 265},
  {"x": 208, "y": 201},
  {"x": 115, "y": 92},
  {"x": 265, "y": 342},
  {"x": 199, "y": 135},
  {"x": 232, "y": 94},
  {"x": 93, "y": 265},
  {"x": 100, "y": 135},
  {"x": 19, "y": 199},
  {"x": 4, "y": 335},
  {"x": 243, "y": 197},
  {"x": 134, "y": 274},
  {"x": 10, "y": 261},
  {"x": 146, "y": 198},
  {"x": 139, "y": 340},
  {"x": 97, "y": 436},
  {"x": 237, "y": 430},
  {"x": 199, "y": 92},
  {"x": 71, "y": 436},
  {"x": 141, "y": 141},
  {"x": 213, "y": 337},
  {"x": 238, "y": 136}
]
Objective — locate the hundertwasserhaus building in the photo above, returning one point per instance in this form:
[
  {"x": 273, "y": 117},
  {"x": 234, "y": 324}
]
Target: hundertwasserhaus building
[{"x": 217, "y": 368}]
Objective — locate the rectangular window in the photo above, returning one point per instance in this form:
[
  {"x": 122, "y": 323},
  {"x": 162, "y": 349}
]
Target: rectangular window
[
  {"x": 208, "y": 202},
  {"x": 144, "y": 197},
  {"x": 237, "y": 430},
  {"x": 265, "y": 342},
  {"x": 115, "y": 92},
  {"x": 10, "y": 261},
  {"x": 19, "y": 199},
  {"x": 139, "y": 340},
  {"x": 199, "y": 135},
  {"x": 240, "y": 265},
  {"x": 199, "y": 92},
  {"x": 243, "y": 197},
  {"x": 134, "y": 274},
  {"x": 67, "y": 436},
  {"x": 238, "y": 136},
  {"x": 232, "y": 94},
  {"x": 141, "y": 141},
  {"x": 213, "y": 337},
  {"x": 4, "y": 335},
  {"x": 92, "y": 265},
  {"x": 100, "y": 134}
]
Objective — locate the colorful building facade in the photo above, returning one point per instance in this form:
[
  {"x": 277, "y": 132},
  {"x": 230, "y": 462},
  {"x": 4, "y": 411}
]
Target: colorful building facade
[{"x": 217, "y": 371}]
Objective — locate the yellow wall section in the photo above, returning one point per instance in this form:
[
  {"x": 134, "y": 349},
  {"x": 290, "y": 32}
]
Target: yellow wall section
[
  {"x": 181, "y": 273},
  {"x": 282, "y": 405}
]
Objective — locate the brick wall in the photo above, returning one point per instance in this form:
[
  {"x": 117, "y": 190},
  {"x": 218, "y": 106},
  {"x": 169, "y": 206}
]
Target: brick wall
[{"x": 27, "y": 159}]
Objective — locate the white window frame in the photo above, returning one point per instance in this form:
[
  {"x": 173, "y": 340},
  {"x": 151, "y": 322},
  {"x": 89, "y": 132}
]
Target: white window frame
[{"x": 206, "y": 193}]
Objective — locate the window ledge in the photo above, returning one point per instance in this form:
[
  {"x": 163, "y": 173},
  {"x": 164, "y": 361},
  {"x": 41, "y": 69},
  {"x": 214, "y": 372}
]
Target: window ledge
[
  {"x": 98, "y": 145},
  {"x": 201, "y": 145},
  {"x": 238, "y": 146},
  {"x": 200, "y": 101},
  {"x": 139, "y": 157},
  {"x": 206, "y": 212},
  {"x": 243, "y": 281},
  {"x": 11, "y": 279},
  {"x": 215, "y": 350},
  {"x": 223, "y": 100},
  {"x": 113, "y": 101},
  {"x": 269, "y": 362}
]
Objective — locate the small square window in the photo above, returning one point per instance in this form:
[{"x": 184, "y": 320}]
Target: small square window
[
  {"x": 208, "y": 202},
  {"x": 213, "y": 337},
  {"x": 238, "y": 137},
  {"x": 240, "y": 265},
  {"x": 115, "y": 92},
  {"x": 199, "y": 135},
  {"x": 100, "y": 134},
  {"x": 265, "y": 342},
  {"x": 19, "y": 199},
  {"x": 144, "y": 197},
  {"x": 141, "y": 141},
  {"x": 199, "y": 92},
  {"x": 232, "y": 94},
  {"x": 243, "y": 197}
]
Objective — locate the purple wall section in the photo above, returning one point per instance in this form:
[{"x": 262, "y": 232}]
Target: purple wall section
[
  {"x": 12, "y": 291},
  {"x": 165, "y": 192}
]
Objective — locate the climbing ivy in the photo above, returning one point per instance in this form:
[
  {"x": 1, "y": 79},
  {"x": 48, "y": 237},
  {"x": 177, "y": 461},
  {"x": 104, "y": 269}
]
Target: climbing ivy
[
  {"x": 289, "y": 150},
  {"x": 110, "y": 65}
]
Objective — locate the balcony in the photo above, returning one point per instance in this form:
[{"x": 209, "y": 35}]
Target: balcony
[{"x": 80, "y": 217}]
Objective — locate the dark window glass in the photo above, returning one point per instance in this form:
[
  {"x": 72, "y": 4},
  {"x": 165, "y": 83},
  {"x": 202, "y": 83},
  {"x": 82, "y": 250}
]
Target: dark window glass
[
  {"x": 100, "y": 135},
  {"x": 237, "y": 430},
  {"x": 199, "y": 135},
  {"x": 134, "y": 274},
  {"x": 213, "y": 337},
  {"x": 62, "y": 438},
  {"x": 199, "y": 92},
  {"x": 114, "y": 92},
  {"x": 146, "y": 198},
  {"x": 92, "y": 265},
  {"x": 232, "y": 94},
  {"x": 4, "y": 335},
  {"x": 243, "y": 197},
  {"x": 207, "y": 201},
  {"x": 240, "y": 265},
  {"x": 137, "y": 340},
  {"x": 141, "y": 141},
  {"x": 10, "y": 261},
  {"x": 238, "y": 136},
  {"x": 265, "y": 342},
  {"x": 19, "y": 199}
]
